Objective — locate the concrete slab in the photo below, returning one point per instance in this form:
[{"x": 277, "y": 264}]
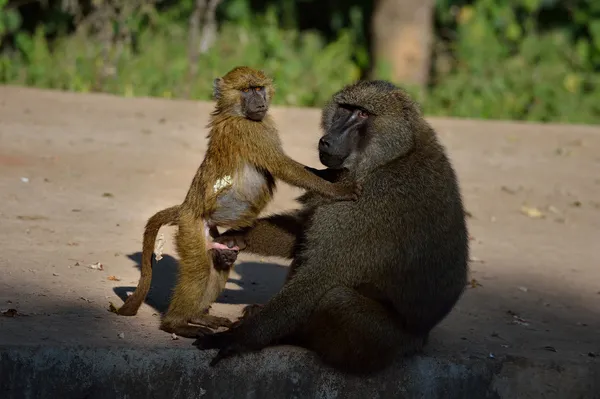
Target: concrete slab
[{"x": 79, "y": 175}]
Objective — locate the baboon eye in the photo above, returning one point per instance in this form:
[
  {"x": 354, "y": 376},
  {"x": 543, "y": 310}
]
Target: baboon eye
[
  {"x": 246, "y": 90},
  {"x": 363, "y": 114},
  {"x": 258, "y": 88}
]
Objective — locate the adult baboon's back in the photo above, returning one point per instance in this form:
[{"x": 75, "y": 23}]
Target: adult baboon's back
[{"x": 370, "y": 278}]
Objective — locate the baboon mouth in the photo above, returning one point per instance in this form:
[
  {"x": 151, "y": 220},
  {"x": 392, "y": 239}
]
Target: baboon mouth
[
  {"x": 330, "y": 160},
  {"x": 256, "y": 116}
]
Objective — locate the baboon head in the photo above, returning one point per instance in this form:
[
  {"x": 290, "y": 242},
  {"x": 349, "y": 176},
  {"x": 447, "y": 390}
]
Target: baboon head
[
  {"x": 367, "y": 124},
  {"x": 243, "y": 92}
]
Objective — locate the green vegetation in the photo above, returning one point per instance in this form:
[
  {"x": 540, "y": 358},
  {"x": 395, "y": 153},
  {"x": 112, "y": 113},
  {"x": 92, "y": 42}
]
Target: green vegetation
[{"x": 531, "y": 60}]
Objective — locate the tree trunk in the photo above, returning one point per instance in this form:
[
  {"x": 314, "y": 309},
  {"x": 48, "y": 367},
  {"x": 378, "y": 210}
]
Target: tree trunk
[{"x": 401, "y": 34}]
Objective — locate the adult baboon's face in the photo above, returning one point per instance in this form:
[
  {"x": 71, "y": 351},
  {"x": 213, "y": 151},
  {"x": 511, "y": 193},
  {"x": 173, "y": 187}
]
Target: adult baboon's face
[
  {"x": 349, "y": 123},
  {"x": 367, "y": 122}
]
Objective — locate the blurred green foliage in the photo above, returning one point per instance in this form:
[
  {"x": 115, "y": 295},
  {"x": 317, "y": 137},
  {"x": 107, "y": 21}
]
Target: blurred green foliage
[{"x": 535, "y": 60}]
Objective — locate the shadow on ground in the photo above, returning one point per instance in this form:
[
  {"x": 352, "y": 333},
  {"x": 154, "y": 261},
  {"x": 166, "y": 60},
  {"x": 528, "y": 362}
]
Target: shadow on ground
[{"x": 258, "y": 282}]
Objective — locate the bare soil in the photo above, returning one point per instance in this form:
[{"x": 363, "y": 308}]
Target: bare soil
[{"x": 80, "y": 174}]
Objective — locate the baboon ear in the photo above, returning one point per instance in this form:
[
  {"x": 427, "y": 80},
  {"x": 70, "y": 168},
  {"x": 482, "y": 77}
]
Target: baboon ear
[
  {"x": 398, "y": 94},
  {"x": 407, "y": 102},
  {"x": 217, "y": 88}
]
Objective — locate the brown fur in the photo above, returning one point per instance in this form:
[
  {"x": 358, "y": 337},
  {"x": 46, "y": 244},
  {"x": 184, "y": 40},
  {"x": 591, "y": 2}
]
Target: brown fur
[
  {"x": 369, "y": 279},
  {"x": 232, "y": 186}
]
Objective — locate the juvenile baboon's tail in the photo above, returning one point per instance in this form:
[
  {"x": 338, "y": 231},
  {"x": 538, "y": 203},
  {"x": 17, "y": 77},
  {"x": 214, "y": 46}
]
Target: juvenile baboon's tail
[{"x": 167, "y": 216}]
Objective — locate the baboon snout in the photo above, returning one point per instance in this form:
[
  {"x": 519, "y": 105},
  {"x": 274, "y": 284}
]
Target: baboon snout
[{"x": 324, "y": 143}]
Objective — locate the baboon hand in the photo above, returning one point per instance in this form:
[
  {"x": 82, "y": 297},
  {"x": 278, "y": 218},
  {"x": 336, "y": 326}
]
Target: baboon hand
[
  {"x": 348, "y": 191},
  {"x": 223, "y": 259},
  {"x": 248, "y": 312},
  {"x": 232, "y": 240},
  {"x": 213, "y": 340},
  {"x": 224, "y": 342}
]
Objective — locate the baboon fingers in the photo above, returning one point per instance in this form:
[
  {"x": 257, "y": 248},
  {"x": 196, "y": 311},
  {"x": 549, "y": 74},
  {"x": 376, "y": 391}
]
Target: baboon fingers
[
  {"x": 248, "y": 312},
  {"x": 211, "y": 321},
  {"x": 251, "y": 310},
  {"x": 230, "y": 242},
  {"x": 218, "y": 245},
  {"x": 213, "y": 340},
  {"x": 223, "y": 259},
  {"x": 186, "y": 331},
  {"x": 224, "y": 353}
]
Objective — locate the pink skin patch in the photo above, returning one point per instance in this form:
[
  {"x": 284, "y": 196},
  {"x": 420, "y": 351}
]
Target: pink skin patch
[{"x": 215, "y": 245}]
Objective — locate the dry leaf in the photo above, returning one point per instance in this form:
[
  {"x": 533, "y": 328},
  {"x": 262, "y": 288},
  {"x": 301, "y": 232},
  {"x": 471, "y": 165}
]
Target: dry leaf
[
  {"x": 113, "y": 278},
  {"x": 96, "y": 266},
  {"x": 474, "y": 283},
  {"x": 55, "y": 274},
  {"x": 554, "y": 210},
  {"x": 32, "y": 217},
  {"x": 121, "y": 335},
  {"x": 524, "y": 289},
  {"x": 532, "y": 212},
  {"x": 520, "y": 321},
  {"x": 508, "y": 190},
  {"x": 158, "y": 247}
]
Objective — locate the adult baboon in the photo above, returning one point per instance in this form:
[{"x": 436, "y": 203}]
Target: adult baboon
[{"x": 371, "y": 278}]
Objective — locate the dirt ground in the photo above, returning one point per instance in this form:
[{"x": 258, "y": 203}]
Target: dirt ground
[{"x": 80, "y": 174}]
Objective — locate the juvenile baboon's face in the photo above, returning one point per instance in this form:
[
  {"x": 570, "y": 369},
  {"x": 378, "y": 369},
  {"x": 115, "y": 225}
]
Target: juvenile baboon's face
[
  {"x": 254, "y": 102},
  {"x": 244, "y": 92}
]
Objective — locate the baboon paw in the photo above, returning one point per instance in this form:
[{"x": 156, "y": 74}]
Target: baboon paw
[
  {"x": 358, "y": 189},
  {"x": 251, "y": 310},
  {"x": 232, "y": 242},
  {"x": 211, "y": 321},
  {"x": 223, "y": 259},
  {"x": 349, "y": 192},
  {"x": 225, "y": 352},
  {"x": 187, "y": 331},
  {"x": 212, "y": 340}
]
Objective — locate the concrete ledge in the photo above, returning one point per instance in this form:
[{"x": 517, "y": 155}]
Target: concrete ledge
[{"x": 284, "y": 372}]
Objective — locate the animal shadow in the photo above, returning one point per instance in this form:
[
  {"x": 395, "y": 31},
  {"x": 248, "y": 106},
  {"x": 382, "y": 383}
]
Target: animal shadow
[{"x": 257, "y": 283}]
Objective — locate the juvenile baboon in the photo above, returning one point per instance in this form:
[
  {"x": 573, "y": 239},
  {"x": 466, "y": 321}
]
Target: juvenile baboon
[
  {"x": 369, "y": 279},
  {"x": 232, "y": 186}
]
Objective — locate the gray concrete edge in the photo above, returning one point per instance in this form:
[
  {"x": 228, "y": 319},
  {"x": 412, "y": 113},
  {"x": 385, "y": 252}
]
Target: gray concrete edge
[{"x": 107, "y": 372}]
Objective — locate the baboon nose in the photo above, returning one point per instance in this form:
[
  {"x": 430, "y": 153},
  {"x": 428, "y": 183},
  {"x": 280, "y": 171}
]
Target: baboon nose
[{"x": 324, "y": 143}]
